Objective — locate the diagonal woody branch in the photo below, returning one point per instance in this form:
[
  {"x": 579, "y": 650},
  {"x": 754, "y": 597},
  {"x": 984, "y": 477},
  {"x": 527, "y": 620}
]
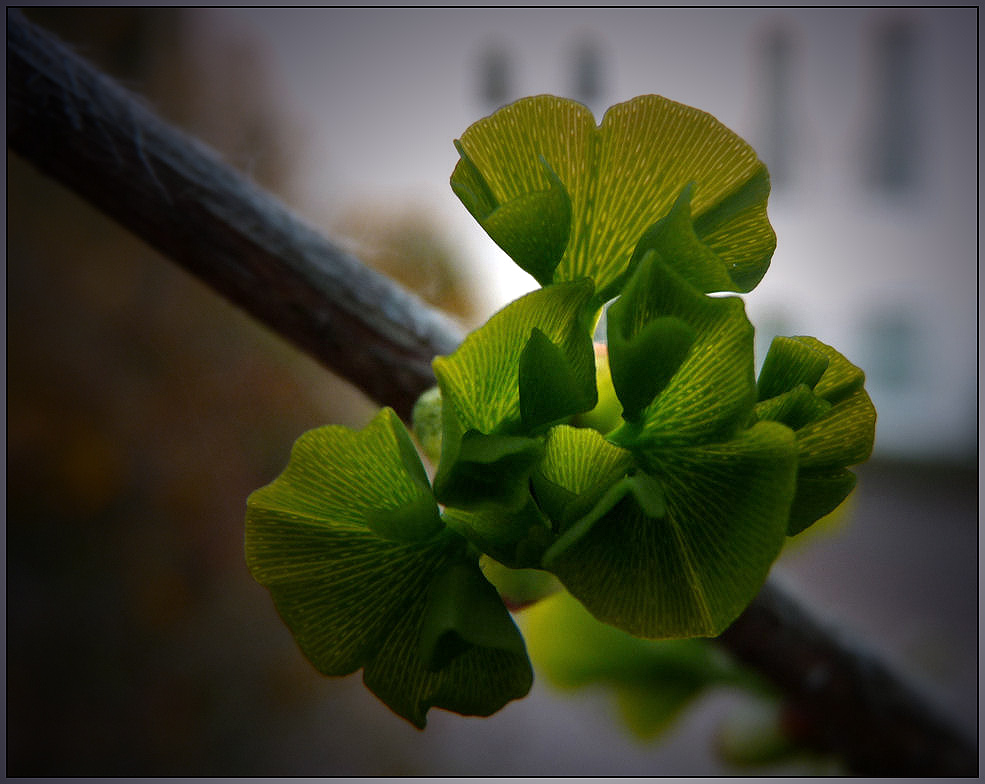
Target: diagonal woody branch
[{"x": 84, "y": 130}]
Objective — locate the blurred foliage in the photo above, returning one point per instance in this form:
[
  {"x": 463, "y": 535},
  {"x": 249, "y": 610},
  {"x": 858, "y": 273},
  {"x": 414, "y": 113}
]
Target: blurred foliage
[
  {"x": 655, "y": 682},
  {"x": 141, "y": 410}
]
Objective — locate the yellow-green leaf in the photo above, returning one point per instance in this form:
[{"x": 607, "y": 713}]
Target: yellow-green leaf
[{"x": 621, "y": 177}]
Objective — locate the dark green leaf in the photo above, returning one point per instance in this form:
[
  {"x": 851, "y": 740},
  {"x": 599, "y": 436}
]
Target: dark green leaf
[
  {"x": 645, "y": 350},
  {"x": 434, "y": 656},
  {"x": 550, "y": 390},
  {"x": 478, "y": 469},
  {"x": 533, "y": 228},
  {"x": 515, "y": 537},
  {"x": 464, "y": 610}
]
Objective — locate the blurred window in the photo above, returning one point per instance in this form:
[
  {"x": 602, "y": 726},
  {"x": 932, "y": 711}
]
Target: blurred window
[
  {"x": 495, "y": 77},
  {"x": 891, "y": 346},
  {"x": 893, "y": 146},
  {"x": 587, "y": 82},
  {"x": 777, "y": 57}
]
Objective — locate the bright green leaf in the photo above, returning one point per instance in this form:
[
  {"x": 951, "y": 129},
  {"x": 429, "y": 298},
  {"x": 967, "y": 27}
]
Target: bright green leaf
[
  {"x": 712, "y": 391},
  {"x": 820, "y": 394},
  {"x": 691, "y": 571},
  {"x": 481, "y": 379},
  {"x": 579, "y": 466},
  {"x": 532, "y": 228},
  {"x": 621, "y": 177}
]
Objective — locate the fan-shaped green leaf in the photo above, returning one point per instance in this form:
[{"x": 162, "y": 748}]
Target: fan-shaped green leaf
[
  {"x": 549, "y": 386},
  {"x": 789, "y": 363},
  {"x": 712, "y": 391},
  {"x": 337, "y": 475},
  {"x": 477, "y": 469},
  {"x": 532, "y": 228},
  {"x": 674, "y": 240},
  {"x": 622, "y": 177},
  {"x": 481, "y": 379},
  {"x": 464, "y": 610},
  {"x": 645, "y": 349},
  {"x": 820, "y": 394},
  {"x": 579, "y": 465},
  {"x": 690, "y": 571},
  {"x": 478, "y": 673},
  {"x": 349, "y": 542}
]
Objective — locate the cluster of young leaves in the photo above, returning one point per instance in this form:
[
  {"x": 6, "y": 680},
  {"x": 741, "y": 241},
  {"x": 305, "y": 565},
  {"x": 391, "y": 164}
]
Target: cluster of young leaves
[{"x": 657, "y": 482}]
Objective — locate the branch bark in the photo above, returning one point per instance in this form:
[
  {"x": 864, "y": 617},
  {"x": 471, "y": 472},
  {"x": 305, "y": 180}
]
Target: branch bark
[{"x": 84, "y": 130}]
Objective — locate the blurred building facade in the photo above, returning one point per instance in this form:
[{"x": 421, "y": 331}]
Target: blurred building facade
[{"x": 866, "y": 122}]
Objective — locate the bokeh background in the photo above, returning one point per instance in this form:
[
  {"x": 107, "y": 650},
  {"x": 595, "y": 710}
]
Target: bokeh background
[{"x": 142, "y": 409}]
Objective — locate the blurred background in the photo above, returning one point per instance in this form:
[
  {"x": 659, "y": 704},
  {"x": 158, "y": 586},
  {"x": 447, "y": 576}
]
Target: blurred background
[{"x": 142, "y": 409}]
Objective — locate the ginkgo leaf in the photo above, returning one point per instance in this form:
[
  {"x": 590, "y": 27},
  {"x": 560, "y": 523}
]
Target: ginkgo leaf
[
  {"x": 464, "y": 610},
  {"x": 711, "y": 391},
  {"x": 690, "y": 570},
  {"x": 482, "y": 662},
  {"x": 516, "y": 537},
  {"x": 311, "y": 538},
  {"x": 477, "y": 469},
  {"x": 337, "y": 475},
  {"x": 674, "y": 240},
  {"x": 348, "y": 540},
  {"x": 813, "y": 389},
  {"x": 621, "y": 177},
  {"x": 532, "y": 228},
  {"x": 495, "y": 396},
  {"x": 646, "y": 349},
  {"x": 788, "y": 363},
  {"x": 579, "y": 465},
  {"x": 480, "y": 380},
  {"x": 549, "y": 385}
]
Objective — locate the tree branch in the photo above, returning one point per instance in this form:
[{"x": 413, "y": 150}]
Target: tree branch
[
  {"x": 87, "y": 132},
  {"x": 83, "y": 129}
]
